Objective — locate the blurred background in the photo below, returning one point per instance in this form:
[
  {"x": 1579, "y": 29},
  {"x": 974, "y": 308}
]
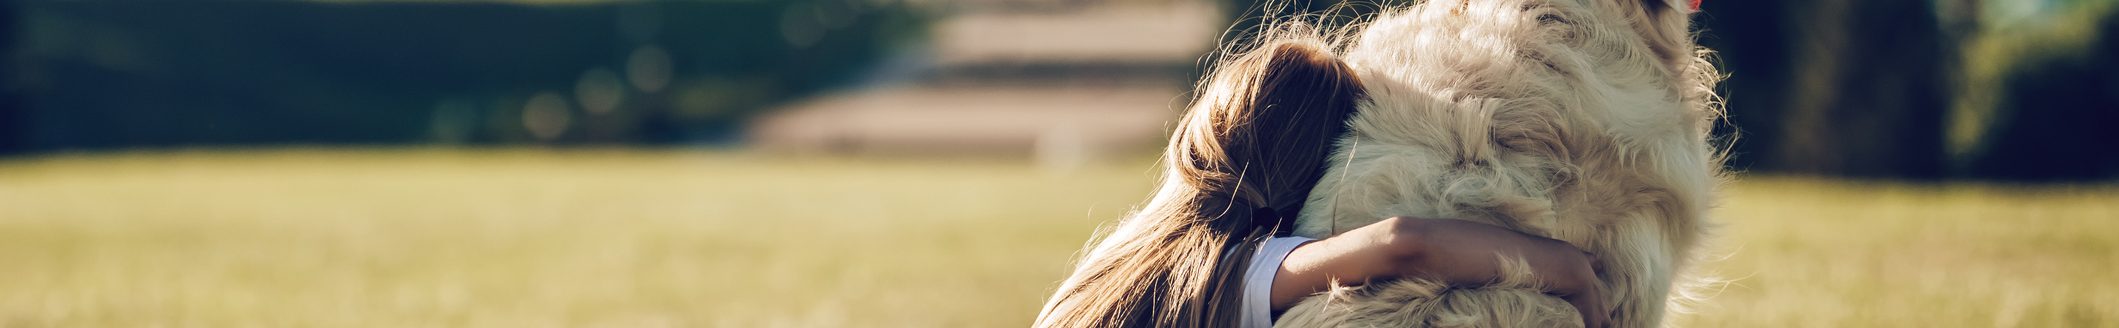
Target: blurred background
[{"x": 924, "y": 163}]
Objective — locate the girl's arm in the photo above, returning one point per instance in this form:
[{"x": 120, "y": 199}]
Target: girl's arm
[{"x": 1456, "y": 252}]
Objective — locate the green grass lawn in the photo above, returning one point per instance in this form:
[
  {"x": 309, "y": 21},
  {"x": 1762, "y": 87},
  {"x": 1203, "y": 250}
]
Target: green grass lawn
[{"x": 531, "y": 238}]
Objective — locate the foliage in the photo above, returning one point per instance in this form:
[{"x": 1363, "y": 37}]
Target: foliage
[
  {"x": 2038, "y": 100},
  {"x": 99, "y": 74}
]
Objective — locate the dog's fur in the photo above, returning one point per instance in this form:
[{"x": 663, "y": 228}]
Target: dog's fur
[{"x": 1585, "y": 121}]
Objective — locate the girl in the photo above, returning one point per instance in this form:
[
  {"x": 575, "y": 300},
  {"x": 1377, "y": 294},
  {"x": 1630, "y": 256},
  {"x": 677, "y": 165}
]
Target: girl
[{"x": 1209, "y": 249}]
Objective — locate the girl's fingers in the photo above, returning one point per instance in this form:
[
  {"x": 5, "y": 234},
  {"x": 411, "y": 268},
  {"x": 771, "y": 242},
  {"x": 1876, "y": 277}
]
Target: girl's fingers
[
  {"x": 1583, "y": 309},
  {"x": 1593, "y": 314}
]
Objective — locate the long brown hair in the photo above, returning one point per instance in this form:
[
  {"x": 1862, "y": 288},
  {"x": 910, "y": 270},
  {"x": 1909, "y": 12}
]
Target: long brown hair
[{"x": 1242, "y": 159}]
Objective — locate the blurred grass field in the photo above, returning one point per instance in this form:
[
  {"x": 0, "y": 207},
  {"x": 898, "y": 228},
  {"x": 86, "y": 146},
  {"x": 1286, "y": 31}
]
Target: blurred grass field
[{"x": 537, "y": 238}]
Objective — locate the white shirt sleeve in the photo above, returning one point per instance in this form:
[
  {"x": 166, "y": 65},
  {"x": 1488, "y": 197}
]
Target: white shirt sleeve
[{"x": 1258, "y": 280}]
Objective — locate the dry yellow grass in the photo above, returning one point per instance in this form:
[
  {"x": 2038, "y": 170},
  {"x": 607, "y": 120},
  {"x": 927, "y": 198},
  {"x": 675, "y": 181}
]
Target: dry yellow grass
[{"x": 527, "y": 238}]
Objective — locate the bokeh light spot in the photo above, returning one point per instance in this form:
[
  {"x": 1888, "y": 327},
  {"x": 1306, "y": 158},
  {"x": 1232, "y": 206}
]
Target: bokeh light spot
[
  {"x": 648, "y": 68},
  {"x": 546, "y": 116},
  {"x": 599, "y": 91}
]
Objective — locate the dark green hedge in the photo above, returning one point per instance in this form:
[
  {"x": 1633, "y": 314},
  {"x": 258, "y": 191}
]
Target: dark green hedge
[{"x": 104, "y": 74}]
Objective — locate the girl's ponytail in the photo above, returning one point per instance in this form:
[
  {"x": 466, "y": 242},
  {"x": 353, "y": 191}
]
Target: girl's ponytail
[{"x": 1240, "y": 163}]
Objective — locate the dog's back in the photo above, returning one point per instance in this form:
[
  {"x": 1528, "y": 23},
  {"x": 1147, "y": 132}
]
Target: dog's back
[{"x": 1580, "y": 120}]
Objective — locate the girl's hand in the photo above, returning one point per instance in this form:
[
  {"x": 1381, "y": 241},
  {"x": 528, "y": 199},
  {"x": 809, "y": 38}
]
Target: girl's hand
[
  {"x": 1460, "y": 253},
  {"x": 1468, "y": 254}
]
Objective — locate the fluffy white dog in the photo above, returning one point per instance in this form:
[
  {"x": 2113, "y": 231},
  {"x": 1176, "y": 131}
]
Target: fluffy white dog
[{"x": 1585, "y": 121}]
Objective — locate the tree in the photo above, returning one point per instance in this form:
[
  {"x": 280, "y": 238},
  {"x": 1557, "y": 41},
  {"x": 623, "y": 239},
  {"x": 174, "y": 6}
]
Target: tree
[{"x": 1842, "y": 88}]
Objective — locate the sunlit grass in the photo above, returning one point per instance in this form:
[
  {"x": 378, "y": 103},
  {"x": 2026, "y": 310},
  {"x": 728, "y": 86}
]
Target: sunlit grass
[
  {"x": 1820, "y": 254},
  {"x": 514, "y": 238}
]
